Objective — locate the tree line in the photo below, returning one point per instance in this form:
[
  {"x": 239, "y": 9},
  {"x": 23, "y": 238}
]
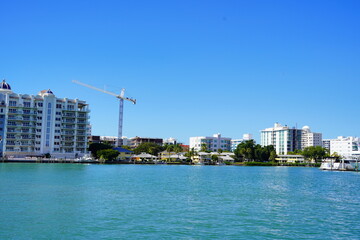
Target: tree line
[
  {"x": 105, "y": 151},
  {"x": 248, "y": 151}
]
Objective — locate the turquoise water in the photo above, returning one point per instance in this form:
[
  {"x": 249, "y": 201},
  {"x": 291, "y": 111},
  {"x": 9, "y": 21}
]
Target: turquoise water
[{"x": 74, "y": 201}]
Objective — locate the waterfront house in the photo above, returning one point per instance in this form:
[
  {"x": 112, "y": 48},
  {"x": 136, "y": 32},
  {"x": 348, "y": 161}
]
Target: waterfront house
[
  {"x": 290, "y": 159},
  {"x": 144, "y": 157},
  {"x": 125, "y": 154}
]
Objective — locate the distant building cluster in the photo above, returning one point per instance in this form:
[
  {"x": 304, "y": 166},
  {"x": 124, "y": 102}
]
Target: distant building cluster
[{"x": 43, "y": 124}]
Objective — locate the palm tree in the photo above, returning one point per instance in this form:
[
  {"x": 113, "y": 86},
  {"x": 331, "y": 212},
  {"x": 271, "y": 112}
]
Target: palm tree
[
  {"x": 203, "y": 147},
  {"x": 169, "y": 149}
]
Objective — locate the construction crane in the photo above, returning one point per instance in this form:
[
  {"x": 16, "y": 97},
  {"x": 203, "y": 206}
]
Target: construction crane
[{"x": 121, "y": 97}]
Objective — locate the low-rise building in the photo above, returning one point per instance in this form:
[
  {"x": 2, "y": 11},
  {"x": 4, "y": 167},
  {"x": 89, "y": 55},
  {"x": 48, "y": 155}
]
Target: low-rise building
[
  {"x": 109, "y": 140},
  {"x": 136, "y": 141},
  {"x": 346, "y": 147},
  {"x": 290, "y": 159},
  {"x": 170, "y": 141},
  {"x": 125, "y": 154},
  {"x": 213, "y": 143}
]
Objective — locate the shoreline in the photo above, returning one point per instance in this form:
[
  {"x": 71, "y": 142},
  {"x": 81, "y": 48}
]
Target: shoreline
[{"x": 74, "y": 161}]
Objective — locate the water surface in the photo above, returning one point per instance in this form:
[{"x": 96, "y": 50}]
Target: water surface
[{"x": 75, "y": 201}]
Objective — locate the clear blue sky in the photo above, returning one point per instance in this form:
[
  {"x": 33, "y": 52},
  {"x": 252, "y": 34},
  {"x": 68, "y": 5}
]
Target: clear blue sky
[{"x": 195, "y": 67}]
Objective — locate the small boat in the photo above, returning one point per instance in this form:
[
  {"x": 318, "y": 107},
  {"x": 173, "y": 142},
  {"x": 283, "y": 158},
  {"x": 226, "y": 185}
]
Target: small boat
[
  {"x": 199, "y": 163},
  {"x": 85, "y": 159}
]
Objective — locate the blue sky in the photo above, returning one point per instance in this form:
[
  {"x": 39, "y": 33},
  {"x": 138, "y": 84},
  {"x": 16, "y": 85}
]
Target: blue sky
[{"x": 195, "y": 67}]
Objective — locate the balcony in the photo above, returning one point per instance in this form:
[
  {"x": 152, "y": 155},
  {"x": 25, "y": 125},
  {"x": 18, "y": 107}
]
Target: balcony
[
  {"x": 82, "y": 116},
  {"x": 67, "y": 139},
  {"x": 69, "y": 115},
  {"x": 68, "y": 121},
  {"x": 71, "y": 127},
  {"x": 68, "y": 133}
]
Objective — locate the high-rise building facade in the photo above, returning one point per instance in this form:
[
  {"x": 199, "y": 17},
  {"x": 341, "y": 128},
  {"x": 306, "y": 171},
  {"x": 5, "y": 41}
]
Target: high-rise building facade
[
  {"x": 309, "y": 139},
  {"x": 286, "y": 139},
  {"x": 34, "y": 125},
  {"x": 283, "y": 138}
]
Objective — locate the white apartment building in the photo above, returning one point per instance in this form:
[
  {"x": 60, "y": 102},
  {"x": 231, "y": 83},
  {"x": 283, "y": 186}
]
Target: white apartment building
[
  {"x": 309, "y": 138},
  {"x": 212, "y": 143},
  {"x": 283, "y": 138},
  {"x": 170, "y": 141},
  {"x": 34, "y": 125},
  {"x": 236, "y": 142},
  {"x": 286, "y": 139},
  {"x": 347, "y": 147}
]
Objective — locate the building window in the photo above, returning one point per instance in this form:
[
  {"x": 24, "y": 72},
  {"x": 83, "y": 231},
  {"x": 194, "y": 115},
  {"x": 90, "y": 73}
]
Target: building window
[{"x": 47, "y": 136}]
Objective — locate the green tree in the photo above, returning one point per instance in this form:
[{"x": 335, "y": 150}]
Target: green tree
[
  {"x": 295, "y": 152},
  {"x": 127, "y": 147},
  {"x": 190, "y": 153},
  {"x": 246, "y": 150},
  {"x": 272, "y": 156},
  {"x": 95, "y": 147},
  {"x": 214, "y": 158},
  {"x": 204, "y": 147},
  {"x": 177, "y": 148},
  {"x": 169, "y": 149},
  {"x": 108, "y": 154},
  {"x": 315, "y": 153},
  {"x": 336, "y": 155},
  {"x": 151, "y": 148}
]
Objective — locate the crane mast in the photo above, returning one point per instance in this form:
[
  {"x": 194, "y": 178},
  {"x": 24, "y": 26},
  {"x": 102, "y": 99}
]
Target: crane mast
[{"x": 121, "y": 98}]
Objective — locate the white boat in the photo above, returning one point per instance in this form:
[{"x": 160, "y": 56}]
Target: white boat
[
  {"x": 220, "y": 164},
  {"x": 340, "y": 165},
  {"x": 85, "y": 159},
  {"x": 199, "y": 163}
]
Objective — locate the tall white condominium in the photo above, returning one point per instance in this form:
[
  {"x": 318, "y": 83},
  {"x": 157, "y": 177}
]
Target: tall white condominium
[
  {"x": 213, "y": 143},
  {"x": 286, "y": 139},
  {"x": 309, "y": 138},
  {"x": 283, "y": 138},
  {"x": 34, "y": 125},
  {"x": 347, "y": 147}
]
